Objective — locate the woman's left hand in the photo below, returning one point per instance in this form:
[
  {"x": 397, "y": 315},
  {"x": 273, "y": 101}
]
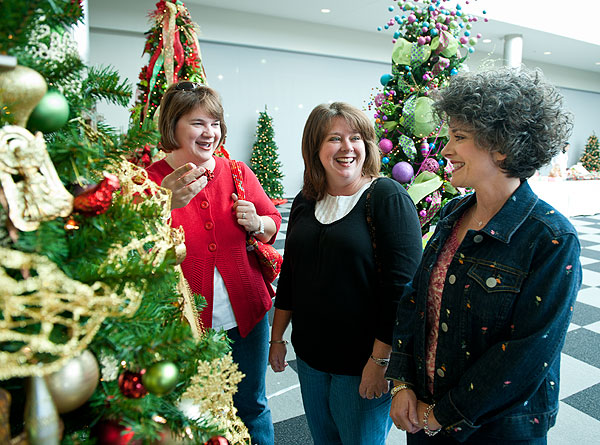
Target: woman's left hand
[
  {"x": 373, "y": 383},
  {"x": 246, "y": 215}
]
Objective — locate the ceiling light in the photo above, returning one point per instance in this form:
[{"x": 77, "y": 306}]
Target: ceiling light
[
  {"x": 486, "y": 41},
  {"x": 325, "y": 10},
  {"x": 547, "y": 53},
  {"x": 597, "y": 63}
]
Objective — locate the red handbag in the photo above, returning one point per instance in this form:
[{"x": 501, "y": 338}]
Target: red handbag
[{"x": 268, "y": 257}]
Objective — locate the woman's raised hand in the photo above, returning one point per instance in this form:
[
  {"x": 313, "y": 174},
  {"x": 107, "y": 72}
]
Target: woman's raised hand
[{"x": 185, "y": 182}]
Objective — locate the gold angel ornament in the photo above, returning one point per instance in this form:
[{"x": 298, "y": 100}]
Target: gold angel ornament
[{"x": 29, "y": 180}]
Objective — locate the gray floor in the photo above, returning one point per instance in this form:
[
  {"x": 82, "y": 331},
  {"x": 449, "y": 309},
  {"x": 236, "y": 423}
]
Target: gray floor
[{"x": 579, "y": 417}]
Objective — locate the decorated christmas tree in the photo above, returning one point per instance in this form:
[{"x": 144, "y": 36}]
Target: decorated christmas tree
[
  {"x": 591, "y": 156},
  {"x": 174, "y": 55},
  {"x": 431, "y": 43},
  {"x": 99, "y": 335},
  {"x": 264, "y": 162}
]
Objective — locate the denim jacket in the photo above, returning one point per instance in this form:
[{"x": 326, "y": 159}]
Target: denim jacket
[{"x": 507, "y": 302}]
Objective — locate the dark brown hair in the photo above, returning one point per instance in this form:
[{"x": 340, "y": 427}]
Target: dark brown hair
[
  {"x": 178, "y": 102},
  {"x": 316, "y": 129}
]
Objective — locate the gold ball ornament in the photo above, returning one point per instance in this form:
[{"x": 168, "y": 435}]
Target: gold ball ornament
[
  {"x": 73, "y": 385},
  {"x": 160, "y": 378},
  {"x": 21, "y": 89}
]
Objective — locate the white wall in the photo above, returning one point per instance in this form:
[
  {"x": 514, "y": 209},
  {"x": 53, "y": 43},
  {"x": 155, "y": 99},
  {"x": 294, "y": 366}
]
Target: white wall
[{"x": 290, "y": 66}]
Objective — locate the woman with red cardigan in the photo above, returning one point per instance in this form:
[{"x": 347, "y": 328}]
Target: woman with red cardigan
[{"x": 216, "y": 224}]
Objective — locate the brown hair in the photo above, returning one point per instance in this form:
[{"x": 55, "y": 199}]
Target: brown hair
[
  {"x": 316, "y": 129},
  {"x": 178, "y": 102}
]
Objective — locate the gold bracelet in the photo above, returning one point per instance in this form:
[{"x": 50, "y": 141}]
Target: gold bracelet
[
  {"x": 278, "y": 342},
  {"x": 396, "y": 389}
]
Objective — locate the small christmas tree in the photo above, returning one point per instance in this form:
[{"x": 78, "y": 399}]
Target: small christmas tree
[
  {"x": 425, "y": 55},
  {"x": 591, "y": 156},
  {"x": 96, "y": 324},
  {"x": 264, "y": 161}
]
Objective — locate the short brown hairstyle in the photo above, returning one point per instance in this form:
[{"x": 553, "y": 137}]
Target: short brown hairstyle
[
  {"x": 316, "y": 129},
  {"x": 177, "y": 102}
]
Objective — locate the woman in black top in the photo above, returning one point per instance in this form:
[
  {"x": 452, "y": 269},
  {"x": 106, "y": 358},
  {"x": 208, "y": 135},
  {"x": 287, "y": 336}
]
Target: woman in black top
[{"x": 341, "y": 307}]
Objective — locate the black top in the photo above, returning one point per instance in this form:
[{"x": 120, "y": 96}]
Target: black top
[{"x": 330, "y": 282}]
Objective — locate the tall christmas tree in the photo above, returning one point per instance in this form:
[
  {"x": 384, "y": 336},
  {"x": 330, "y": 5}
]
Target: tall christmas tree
[
  {"x": 88, "y": 263},
  {"x": 427, "y": 49},
  {"x": 591, "y": 156},
  {"x": 264, "y": 161},
  {"x": 174, "y": 55}
]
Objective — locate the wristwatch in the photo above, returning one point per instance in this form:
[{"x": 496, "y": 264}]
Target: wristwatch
[{"x": 381, "y": 361}]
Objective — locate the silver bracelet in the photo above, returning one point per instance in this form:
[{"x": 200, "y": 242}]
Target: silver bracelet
[
  {"x": 381, "y": 361},
  {"x": 426, "y": 422},
  {"x": 261, "y": 228}
]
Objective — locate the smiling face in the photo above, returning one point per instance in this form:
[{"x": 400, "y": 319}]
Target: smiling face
[
  {"x": 342, "y": 154},
  {"x": 473, "y": 166},
  {"x": 197, "y": 135}
]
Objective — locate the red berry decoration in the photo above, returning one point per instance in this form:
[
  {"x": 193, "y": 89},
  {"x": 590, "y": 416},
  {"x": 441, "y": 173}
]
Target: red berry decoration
[
  {"x": 130, "y": 384},
  {"x": 217, "y": 440}
]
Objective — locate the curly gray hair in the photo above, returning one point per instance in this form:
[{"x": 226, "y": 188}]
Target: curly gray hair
[{"x": 513, "y": 111}]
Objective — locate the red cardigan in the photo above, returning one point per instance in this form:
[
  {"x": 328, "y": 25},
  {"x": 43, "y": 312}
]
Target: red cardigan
[{"x": 213, "y": 238}]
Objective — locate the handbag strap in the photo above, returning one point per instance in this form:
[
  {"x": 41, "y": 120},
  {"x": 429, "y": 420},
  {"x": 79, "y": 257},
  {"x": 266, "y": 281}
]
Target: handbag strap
[
  {"x": 236, "y": 172},
  {"x": 371, "y": 226}
]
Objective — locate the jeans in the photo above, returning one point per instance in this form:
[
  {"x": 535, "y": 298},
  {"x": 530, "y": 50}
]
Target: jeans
[
  {"x": 421, "y": 438},
  {"x": 251, "y": 355},
  {"x": 337, "y": 414}
]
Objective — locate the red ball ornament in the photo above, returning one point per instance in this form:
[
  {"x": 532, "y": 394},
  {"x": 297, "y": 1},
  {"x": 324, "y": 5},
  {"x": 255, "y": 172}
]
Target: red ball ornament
[
  {"x": 109, "y": 432},
  {"x": 130, "y": 384},
  {"x": 97, "y": 199},
  {"x": 217, "y": 440}
]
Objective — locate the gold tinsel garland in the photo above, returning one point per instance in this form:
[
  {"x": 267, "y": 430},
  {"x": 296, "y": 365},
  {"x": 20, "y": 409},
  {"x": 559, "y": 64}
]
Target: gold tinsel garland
[
  {"x": 211, "y": 391},
  {"x": 48, "y": 303}
]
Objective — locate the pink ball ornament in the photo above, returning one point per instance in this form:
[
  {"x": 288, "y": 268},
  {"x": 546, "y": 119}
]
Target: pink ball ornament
[
  {"x": 422, "y": 213},
  {"x": 430, "y": 165},
  {"x": 386, "y": 145},
  {"x": 403, "y": 172}
]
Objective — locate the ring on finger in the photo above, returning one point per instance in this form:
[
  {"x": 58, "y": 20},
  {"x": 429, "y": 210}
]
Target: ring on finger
[{"x": 243, "y": 215}]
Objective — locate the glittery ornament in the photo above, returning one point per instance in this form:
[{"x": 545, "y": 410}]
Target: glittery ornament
[
  {"x": 97, "y": 199},
  {"x": 110, "y": 367},
  {"x": 386, "y": 145},
  {"x": 130, "y": 384},
  {"x": 430, "y": 165}
]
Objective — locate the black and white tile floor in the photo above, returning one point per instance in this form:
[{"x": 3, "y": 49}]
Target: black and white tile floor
[{"x": 579, "y": 417}]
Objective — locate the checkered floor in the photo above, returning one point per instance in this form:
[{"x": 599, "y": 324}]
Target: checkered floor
[{"x": 579, "y": 417}]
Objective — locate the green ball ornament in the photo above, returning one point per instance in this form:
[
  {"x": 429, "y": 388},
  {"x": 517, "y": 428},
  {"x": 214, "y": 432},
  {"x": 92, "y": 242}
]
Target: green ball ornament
[
  {"x": 160, "y": 378},
  {"x": 50, "y": 114}
]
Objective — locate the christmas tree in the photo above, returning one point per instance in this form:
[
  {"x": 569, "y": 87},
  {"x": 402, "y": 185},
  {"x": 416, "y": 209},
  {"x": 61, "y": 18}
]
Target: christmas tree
[
  {"x": 264, "y": 161},
  {"x": 591, "y": 156},
  {"x": 88, "y": 263},
  {"x": 426, "y": 53},
  {"x": 174, "y": 55}
]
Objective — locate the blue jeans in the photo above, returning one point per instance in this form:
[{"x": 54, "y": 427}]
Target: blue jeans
[
  {"x": 337, "y": 414},
  {"x": 251, "y": 354}
]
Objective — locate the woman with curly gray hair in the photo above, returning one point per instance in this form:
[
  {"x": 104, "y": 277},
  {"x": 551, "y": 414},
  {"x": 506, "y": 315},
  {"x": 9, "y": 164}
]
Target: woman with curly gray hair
[{"x": 479, "y": 360}]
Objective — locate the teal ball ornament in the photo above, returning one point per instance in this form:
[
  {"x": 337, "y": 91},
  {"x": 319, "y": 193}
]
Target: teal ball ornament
[
  {"x": 160, "y": 378},
  {"x": 385, "y": 79},
  {"x": 50, "y": 114}
]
